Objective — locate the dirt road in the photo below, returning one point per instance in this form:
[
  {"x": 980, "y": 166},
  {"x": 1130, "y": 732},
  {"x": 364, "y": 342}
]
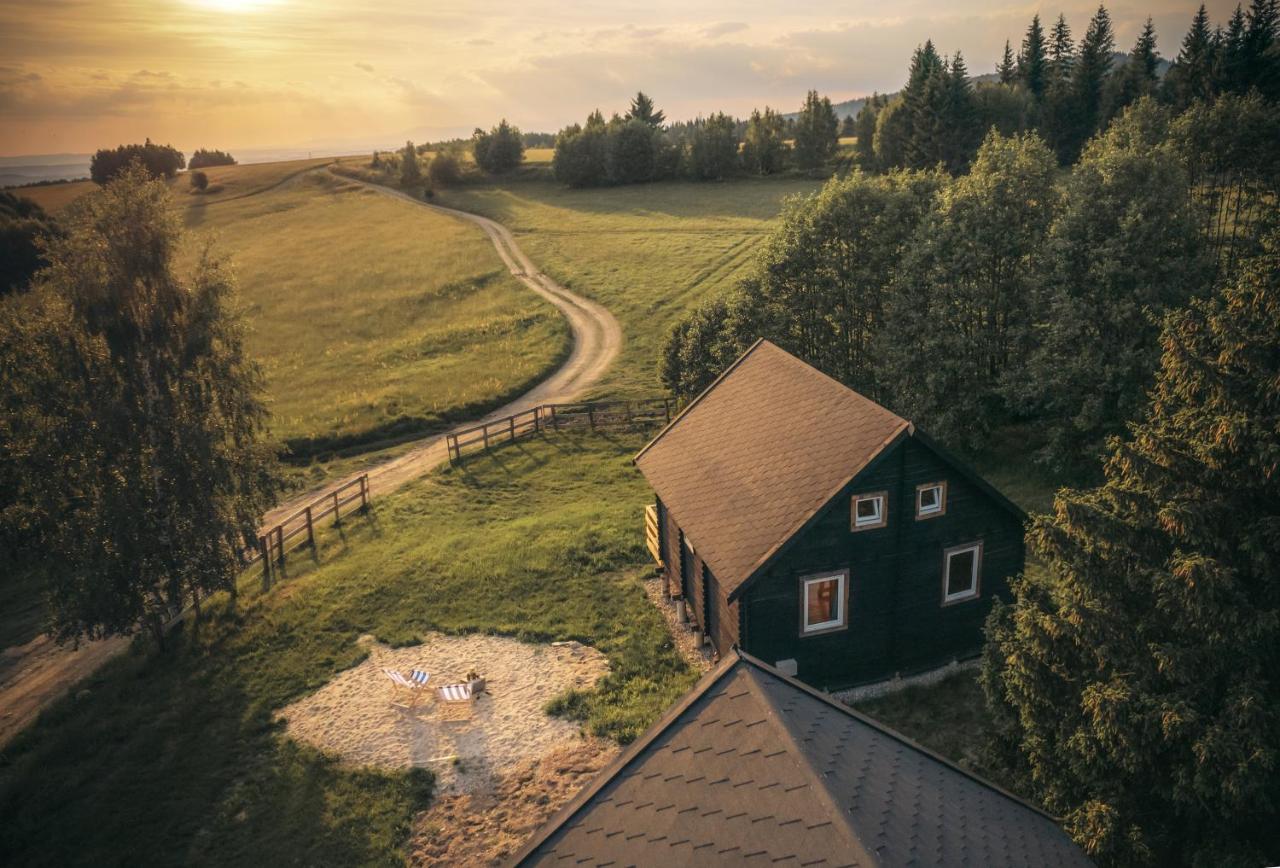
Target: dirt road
[{"x": 34, "y": 675}]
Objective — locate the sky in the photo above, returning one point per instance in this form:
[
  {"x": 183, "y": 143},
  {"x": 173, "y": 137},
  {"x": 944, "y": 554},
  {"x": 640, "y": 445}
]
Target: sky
[{"x": 76, "y": 75}]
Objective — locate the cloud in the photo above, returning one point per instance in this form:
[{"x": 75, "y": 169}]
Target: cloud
[
  {"x": 365, "y": 66},
  {"x": 724, "y": 28}
]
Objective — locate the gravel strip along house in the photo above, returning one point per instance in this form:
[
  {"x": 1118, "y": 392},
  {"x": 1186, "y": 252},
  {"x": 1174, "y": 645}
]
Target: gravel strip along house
[
  {"x": 755, "y": 768},
  {"x": 814, "y": 529}
]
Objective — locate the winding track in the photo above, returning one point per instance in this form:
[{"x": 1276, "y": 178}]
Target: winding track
[{"x": 34, "y": 675}]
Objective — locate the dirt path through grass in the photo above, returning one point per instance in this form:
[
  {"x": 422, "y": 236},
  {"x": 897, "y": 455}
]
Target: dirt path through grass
[
  {"x": 597, "y": 338},
  {"x": 32, "y": 676}
]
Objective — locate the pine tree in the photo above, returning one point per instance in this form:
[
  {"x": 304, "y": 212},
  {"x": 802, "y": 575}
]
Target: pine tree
[
  {"x": 1232, "y": 73},
  {"x": 921, "y": 111},
  {"x": 959, "y": 133},
  {"x": 1133, "y": 681},
  {"x": 642, "y": 109},
  {"x": 817, "y": 132},
  {"x": 1008, "y": 69},
  {"x": 1191, "y": 76},
  {"x": 410, "y": 172},
  {"x": 1062, "y": 52},
  {"x": 1138, "y": 76},
  {"x": 865, "y": 130},
  {"x": 1261, "y": 57},
  {"x": 1057, "y": 118},
  {"x": 1031, "y": 60},
  {"x": 1089, "y": 78}
]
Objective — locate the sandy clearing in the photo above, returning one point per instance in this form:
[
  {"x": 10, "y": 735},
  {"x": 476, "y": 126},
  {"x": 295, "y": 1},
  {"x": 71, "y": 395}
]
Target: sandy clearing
[{"x": 352, "y": 717}]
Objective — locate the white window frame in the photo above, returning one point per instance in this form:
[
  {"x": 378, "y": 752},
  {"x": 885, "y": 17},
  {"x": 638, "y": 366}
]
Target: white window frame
[
  {"x": 975, "y": 586},
  {"x": 882, "y": 514},
  {"x": 935, "y": 511},
  {"x": 842, "y": 603}
]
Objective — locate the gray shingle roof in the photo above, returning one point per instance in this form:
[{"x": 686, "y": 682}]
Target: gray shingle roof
[
  {"x": 758, "y": 453},
  {"x": 752, "y": 767}
]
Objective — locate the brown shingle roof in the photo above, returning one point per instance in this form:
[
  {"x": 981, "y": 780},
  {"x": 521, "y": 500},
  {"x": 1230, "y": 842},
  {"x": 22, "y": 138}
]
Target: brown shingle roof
[
  {"x": 752, "y": 767},
  {"x": 758, "y": 453}
]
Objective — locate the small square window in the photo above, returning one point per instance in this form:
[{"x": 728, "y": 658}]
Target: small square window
[
  {"x": 962, "y": 568},
  {"x": 869, "y": 510},
  {"x": 823, "y": 603},
  {"x": 931, "y": 499}
]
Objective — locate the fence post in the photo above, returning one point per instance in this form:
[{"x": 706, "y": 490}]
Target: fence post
[
  {"x": 280, "y": 542},
  {"x": 364, "y": 492},
  {"x": 537, "y": 419},
  {"x": 311, "y": 531},
  {"x": 628, "y": 414},
  {"x": 511, "y": 426},
  {"x": 337, "y": 519},
  {"x": 555, "y": 420},
  {"x": 591, "y": 415},
  {"x": 266, "y": 563},
  {"x": 484, "y": 432}
]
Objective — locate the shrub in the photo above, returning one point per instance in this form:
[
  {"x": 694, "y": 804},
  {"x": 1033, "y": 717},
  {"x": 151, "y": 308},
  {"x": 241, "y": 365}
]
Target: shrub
[
  {"x": 199, "y": 181},
  {"x": 202, "y": 159},
  {"x": 444, "y": 169},
  {"x": 157, "y": 160},
  {"x": 499, "y": 150}
]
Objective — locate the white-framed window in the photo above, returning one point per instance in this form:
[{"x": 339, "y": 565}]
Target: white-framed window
[
  {"x": 870, "y": 510},
  {"x": 824, "y": 602},
  {"x": 931, "y": 499},
  {"x": 961, "y": 572}
]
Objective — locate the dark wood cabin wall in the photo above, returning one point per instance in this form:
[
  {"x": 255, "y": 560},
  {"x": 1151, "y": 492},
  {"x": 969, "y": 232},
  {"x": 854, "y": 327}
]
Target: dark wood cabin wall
[
  {"x": 722, "y": 616},
  {"x": 670, "y": 549},
  {"x": 896, "y": 622}
]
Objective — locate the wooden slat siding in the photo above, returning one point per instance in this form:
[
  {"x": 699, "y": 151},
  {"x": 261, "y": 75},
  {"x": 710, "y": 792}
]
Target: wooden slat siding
[
  {"x": 722, "y": 616},
  {"x": 896, "y": 620},
  {"x": 697, "y": 591},
  {"x": 652, "y": 533}
]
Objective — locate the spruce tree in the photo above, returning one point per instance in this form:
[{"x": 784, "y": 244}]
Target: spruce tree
[
  {"x": 865, "y": 130},
  {"x": 764, "y": 149},
  {"x": 959, "y": 136},
  {"x": 1008, "y": 69},
  {"x": 1057, "y": 118},
  {"x": 817, "y": 132},
  {"x": 410, "y": 172},
  {"x": 1232, "y": 72},
  {"x": 1261, "y": 54},
  {"x": 1191, "y": 76},
  {"x": 642, "y": 109},
  {"x": 1089, "y": 78},
  {"x": 1031, "y": 60},
  {"x": 1138, "y": 76},
  {"x": 1133, "y": 680}
]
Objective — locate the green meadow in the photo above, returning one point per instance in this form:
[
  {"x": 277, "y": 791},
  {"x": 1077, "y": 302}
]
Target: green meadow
[
  {"x": 648, "y": 252},
  {"x": 539, "y": 541}
]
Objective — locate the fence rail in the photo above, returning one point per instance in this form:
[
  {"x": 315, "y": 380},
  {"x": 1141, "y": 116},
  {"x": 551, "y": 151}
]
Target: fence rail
[
  {"x": 283, "y": 537},
  {"x": 591, "y": 415}
]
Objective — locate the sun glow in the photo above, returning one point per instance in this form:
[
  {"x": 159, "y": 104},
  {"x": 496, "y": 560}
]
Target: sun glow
[{"x": 233, "y": 5}]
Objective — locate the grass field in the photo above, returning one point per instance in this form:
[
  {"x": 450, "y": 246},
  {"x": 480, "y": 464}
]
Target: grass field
[
  {"x": 373, "y": 318},
  {"x": 648, "y": 252},
  {"x": 174, "y": 758}
]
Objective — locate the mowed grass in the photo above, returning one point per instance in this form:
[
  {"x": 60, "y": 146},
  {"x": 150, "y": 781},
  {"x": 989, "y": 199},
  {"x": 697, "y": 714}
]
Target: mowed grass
[
  {"x": 648, "y": 252},
  {"x": 174, "y": 758},
  {"x": 375, "y": 319}
]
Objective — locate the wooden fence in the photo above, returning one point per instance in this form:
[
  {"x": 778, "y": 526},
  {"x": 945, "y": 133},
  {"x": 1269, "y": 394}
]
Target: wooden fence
[
  {"x": 299, "y": 529},
  {"x": 592, "y": 415},
  {"x": 652, "y": 536}
]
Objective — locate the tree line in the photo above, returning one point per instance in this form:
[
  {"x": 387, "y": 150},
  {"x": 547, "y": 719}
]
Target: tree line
[
  {"x": 1066, "y": 92},
  {"x": 639, "y": 146}
]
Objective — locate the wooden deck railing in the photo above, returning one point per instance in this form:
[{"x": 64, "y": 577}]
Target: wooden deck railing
[
  {"x": 651, "y": 537},
  {"x": 279, "y": 539},
  {"x": 592, "y": 415}
]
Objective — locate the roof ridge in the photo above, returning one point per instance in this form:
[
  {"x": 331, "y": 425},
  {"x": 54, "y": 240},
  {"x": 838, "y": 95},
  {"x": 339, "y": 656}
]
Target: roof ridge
[
  {"x": 889, "y": 731},
  {"x": 629, "y": 754},
  {"x": 816, "y": 782}
]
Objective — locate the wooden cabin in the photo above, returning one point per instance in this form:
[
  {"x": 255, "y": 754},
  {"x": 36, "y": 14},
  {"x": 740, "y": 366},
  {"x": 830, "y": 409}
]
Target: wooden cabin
[
  {"x": 754, "y": 768},
  {"x": 816, "y": 530}
]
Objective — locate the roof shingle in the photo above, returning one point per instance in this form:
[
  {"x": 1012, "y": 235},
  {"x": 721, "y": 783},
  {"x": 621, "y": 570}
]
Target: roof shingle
[
  {"x": 755, "y": 768},
  {"x": 758, "y": 453}
]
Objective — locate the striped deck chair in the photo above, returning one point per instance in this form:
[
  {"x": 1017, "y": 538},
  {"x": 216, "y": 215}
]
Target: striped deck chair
[
  {"x": 414, "y": 684},
  {"x": 455, "y": 699}
]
